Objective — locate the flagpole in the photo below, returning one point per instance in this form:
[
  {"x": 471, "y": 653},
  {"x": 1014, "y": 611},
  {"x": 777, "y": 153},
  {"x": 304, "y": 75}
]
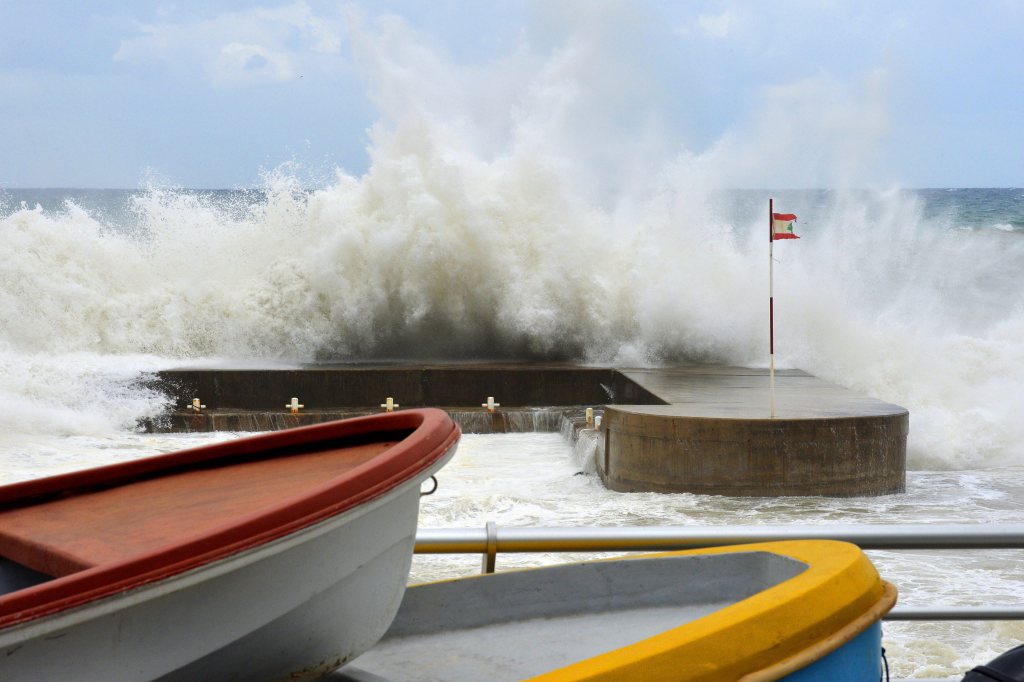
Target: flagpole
[{"x": 771, "y": 310}]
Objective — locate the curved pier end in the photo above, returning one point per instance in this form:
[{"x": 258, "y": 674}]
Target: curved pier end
[{"x": 714, "y": 435}]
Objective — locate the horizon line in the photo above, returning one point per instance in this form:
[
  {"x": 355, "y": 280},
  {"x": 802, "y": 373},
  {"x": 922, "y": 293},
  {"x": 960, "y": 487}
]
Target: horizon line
[{"x": 720, "y": 189}]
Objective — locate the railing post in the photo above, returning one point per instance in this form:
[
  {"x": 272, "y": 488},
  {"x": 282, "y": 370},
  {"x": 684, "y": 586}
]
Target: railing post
[{"x": 491, "y": 551}]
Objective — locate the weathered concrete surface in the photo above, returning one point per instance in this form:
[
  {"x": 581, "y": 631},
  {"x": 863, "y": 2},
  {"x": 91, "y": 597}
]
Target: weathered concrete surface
[
  {"x": 366, "y": 386},
  {"x": 715, "y": 436}
]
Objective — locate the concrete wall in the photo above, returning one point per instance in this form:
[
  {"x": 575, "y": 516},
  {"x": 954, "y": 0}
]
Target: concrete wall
[
  {"x": 448, "y": 386},
  {"x": 754, "y": 457}
]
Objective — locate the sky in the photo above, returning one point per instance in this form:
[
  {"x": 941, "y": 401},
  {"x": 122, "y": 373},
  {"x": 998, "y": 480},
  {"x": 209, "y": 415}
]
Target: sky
[{"x": 126, "y": 93}]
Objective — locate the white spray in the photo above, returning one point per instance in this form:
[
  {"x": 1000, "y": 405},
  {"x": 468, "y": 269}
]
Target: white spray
[{"x": 525, "y": 221}]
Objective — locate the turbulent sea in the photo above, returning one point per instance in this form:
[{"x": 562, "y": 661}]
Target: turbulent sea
[{"x": 911, "y": 296}]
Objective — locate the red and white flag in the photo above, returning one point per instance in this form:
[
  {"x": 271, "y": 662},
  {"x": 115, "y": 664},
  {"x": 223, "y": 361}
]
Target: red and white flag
[{"x": 782, "y": 226}]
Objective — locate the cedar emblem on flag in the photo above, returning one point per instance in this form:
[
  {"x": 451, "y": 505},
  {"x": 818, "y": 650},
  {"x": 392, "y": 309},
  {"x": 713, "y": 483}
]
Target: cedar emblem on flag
[{"x": 782, "y": 226}]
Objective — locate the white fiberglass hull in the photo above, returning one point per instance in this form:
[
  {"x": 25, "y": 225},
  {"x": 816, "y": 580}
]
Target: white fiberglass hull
[{"x": 291, "y": 609}]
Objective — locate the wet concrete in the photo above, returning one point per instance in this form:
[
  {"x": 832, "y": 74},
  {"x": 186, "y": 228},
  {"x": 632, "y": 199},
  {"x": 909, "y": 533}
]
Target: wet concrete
[
  {"x": 513, "y": 420},
  {"x": 698, "y": 429}
]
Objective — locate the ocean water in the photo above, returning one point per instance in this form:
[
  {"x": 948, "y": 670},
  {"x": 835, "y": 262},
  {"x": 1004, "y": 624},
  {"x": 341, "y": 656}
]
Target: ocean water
[
  {"x": 912, "y": 296},
  {"x": 533, "y": 480}
]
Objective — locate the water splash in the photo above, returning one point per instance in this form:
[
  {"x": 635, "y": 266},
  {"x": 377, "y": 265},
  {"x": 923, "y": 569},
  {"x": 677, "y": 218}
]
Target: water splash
[{"x": 524, "y": 237}]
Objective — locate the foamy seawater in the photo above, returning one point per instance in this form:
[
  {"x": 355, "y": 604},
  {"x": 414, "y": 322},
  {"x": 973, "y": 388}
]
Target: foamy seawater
[
  {"x": 910, "y": 296},
  {"x": 532, "y": 479}
]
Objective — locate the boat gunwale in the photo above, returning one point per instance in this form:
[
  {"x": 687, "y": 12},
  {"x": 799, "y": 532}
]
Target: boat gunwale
[
  {"x": 431, "y": 434},
  {"x": 746, "y": 628}
]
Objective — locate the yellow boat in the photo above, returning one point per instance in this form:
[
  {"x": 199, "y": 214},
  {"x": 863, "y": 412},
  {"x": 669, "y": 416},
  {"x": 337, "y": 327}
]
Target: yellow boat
[{"x": 795, "y": 611}]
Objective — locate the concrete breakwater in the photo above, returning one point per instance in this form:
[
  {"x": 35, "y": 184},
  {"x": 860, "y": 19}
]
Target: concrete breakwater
[
  {"x": 366, "y": 386},
  {"x": 512, "y": 420},
  {"x": 699, "y": 429},
  {"x": 714, "y": 435}
]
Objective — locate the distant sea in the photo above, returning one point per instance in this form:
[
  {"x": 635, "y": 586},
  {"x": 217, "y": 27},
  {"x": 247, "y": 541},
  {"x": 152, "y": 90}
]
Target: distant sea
[{"x": 963, "y": 208}]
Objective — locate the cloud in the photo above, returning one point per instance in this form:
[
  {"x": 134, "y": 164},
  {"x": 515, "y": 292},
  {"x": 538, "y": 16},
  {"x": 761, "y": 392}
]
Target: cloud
[
  {"x": 238, "y": 61},
  {"x": 717, "y": 25},
  {"x": 728, "y": 24},
  {"x": 813, "y": 132},
  {"x": 260, "y": 44}
]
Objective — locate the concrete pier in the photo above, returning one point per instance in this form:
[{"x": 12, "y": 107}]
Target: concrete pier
[
  {"x": 696, "y": 429},
  {"x": 362, "y": 386},
  {"x": 713, "y": 434}
]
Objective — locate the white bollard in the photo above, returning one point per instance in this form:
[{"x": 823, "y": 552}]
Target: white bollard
[
  {"x": 490, "y": 404},
  {"x": 294, "y": 405},
  {"x": 389, "y": 405}
]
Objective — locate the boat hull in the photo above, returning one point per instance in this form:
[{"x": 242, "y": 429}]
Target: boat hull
[
  {"x": 855, "y": 661},
  {"x": 290, "y": 608},
  {"x": 233, "y": 620},
  {"x": 799, "y": 611}
]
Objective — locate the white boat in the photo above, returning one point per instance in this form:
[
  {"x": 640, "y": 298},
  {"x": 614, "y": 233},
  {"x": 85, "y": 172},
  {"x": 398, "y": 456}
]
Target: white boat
[{"x": 280, "y": 556}]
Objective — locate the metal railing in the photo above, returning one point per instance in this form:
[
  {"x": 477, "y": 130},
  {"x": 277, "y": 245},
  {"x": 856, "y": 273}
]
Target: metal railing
[{"x": 491, "y": 540}]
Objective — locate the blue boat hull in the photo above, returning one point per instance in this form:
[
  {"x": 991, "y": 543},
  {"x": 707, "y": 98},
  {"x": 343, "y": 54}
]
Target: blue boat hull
[{"x": 859, "y": 660}]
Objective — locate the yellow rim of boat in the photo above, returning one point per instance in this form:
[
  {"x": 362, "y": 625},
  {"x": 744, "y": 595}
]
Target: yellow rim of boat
[
  {"x": 829, "y": 644},
  {"x": 763, "y": 637}
]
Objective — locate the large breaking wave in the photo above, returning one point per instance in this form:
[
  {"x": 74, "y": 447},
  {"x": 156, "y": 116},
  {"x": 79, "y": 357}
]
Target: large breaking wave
[{"x": 540, "y": 228}]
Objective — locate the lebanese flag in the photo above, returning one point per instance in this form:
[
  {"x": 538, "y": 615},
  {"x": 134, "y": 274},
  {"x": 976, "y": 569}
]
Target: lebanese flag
[{"x": 782, "y": 226}]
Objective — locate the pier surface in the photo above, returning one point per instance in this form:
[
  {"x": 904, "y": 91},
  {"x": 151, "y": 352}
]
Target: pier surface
[{"x": 697, "y": 429}]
